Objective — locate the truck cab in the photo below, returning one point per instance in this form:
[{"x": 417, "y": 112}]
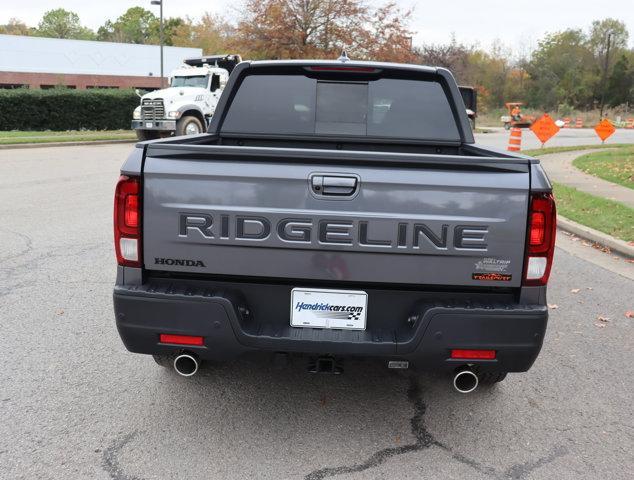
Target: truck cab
[{"x": 187, "y": 105}]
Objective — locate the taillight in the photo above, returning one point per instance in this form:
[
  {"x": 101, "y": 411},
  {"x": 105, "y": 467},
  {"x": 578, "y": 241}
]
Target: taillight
[
  {"x": 127, "y": 221},
  {"x": 540, "y": 245},
  {"x": 538, "y": 226},
  {"x": 132, "y": 211}
]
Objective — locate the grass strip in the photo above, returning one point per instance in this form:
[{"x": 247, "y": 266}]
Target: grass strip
[
  {"x": 616, "y": 166},
  {"x": 602, "y": 214},
  {"x": 18, "y": 137}
]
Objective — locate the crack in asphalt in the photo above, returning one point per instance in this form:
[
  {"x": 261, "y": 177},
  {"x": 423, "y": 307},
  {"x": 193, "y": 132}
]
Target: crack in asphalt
[
  {"x": 522, "y": 470},
  {"x": 425, "y": 440},
  {"x": 110, "y": 459},
  {"x": 28, "y": 244},
  {"x": 19, "y": 271}
]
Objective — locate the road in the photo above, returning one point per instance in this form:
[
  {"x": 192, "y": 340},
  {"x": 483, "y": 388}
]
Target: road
[
  {"x": 74, "y": 404},
  {"x": 499, "y": 138}
]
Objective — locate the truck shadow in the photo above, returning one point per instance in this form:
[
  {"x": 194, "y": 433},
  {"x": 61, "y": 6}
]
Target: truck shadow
[
  {"x": 297, "y": 425},
  {"x": 357, "y": 421}
]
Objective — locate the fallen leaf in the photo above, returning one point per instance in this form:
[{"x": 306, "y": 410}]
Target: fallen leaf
[
  {"x": 600, "y": 325},
  {"x": 553, "y": 306},
  {"x": 602, "y": 248},
  {"x": 629, "y": 314},
  {"x": 603, "y": 319},
  {"x": 589, "y": 288},
  {"x": 575, "y": 290}
]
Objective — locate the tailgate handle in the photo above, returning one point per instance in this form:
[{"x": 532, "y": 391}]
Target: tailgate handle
[{"x": 334, "y": 186}]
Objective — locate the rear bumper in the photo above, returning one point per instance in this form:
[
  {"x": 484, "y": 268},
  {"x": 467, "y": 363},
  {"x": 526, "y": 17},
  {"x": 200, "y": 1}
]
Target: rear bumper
[
  {"x": 162, "y": 125},
  {"x": 424, "y": 336}
]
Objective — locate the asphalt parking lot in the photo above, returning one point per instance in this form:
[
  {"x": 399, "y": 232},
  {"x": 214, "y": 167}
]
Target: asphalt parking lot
[{"x": 75, "y": 404}]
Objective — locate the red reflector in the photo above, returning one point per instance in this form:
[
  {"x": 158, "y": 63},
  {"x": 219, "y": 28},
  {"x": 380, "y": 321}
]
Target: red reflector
[
  {"x": 474, "y": 354},
  {"x": 181, "y": 339},
  {"x": 538, "y": 228},
  {"x": 132, "y": 211}
]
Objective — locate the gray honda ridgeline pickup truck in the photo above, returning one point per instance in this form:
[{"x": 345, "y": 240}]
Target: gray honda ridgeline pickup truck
[{"x": 335, "y": 209}]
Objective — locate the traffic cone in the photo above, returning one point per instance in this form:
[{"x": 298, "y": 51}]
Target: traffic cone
[
  {"x": 630, "y": 123},
  {"x": 579, "y": 123},
  {"x": 567, "y": 122},
  {"x": 515, "y": 140}
]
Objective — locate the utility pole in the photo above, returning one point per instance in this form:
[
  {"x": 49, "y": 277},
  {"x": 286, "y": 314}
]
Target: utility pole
[
  {"x": 605, "y": 75},
  {"x": 160, "y": 3}
]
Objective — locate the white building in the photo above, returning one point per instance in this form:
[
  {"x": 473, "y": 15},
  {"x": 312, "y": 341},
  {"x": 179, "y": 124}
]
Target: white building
[{"x": 39, "y": 62}]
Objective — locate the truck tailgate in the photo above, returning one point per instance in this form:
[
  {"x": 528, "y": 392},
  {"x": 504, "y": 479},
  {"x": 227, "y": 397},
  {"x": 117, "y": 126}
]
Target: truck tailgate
[{"x": 424, "y": 221}]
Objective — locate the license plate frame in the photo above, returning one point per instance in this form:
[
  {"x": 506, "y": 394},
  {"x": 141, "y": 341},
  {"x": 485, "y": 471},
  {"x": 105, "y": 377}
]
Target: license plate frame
[{"x": 328, "y": 308}]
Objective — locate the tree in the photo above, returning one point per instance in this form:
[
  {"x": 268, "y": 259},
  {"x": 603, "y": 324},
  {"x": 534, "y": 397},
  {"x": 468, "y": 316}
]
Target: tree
[
  {"x": 322, "y": 29},
  {"x": 389, "y": 38},
  {"x": 295, "y": 28},
  {"x": 620, "y": 89},
  {"x": 489, "y": 71},
  {"x": 15, "y": 27},
  {"x": 453, "y": 56},
  {"x": 212, "y": 33},
  {"x": 60, "y": 23},
  {"x": 563, "y": 71},
  {"x": 136, "y": 25},
  {"x": 598, "y": 38},
  {"x": 492, "y": 71},
  {"x": 608, "y": 39},
  {"x": 170, "y": 27}
]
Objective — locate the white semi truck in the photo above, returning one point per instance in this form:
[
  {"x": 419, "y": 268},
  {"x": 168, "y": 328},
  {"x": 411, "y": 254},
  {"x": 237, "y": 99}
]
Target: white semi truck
[{"x": 187, "y": 105}]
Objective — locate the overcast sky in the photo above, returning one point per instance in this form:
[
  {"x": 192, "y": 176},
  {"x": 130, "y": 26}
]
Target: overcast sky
[{"x": 516, "y": 23}]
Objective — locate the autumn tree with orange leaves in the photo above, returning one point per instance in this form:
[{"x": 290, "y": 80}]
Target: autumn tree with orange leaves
[
  {"x": 276, "y": 29},
  {"x": 212, "y": 33}
]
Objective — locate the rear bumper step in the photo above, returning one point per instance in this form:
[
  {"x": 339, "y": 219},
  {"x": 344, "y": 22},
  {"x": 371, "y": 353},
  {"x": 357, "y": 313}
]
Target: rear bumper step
[{"x": 420, "y": 332}]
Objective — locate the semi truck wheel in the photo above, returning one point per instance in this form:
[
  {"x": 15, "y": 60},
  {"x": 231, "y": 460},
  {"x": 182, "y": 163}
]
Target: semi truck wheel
[
  {"x": 147, "y": 135},
  {"x": 188, "y": 125}
]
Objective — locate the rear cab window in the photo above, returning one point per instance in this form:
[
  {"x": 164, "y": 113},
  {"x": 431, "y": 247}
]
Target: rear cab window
[{"x": 309, "y": 105}]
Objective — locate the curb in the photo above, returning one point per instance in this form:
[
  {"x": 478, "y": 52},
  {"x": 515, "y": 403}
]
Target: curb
[
  {"x": 614, "y": 244},
  {"x": 13, "y": 146}
]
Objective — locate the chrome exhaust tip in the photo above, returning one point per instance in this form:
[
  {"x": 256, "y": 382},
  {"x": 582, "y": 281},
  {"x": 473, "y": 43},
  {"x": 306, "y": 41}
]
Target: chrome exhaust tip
[
  {"x": 186, "y": 365},
  {"x": 465, "y": 381}
]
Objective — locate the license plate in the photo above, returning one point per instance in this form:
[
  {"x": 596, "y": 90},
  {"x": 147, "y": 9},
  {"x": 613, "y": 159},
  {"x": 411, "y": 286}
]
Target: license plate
[
  {"x": 149, "y": 124},
  {"x": 320, "y": 308}
]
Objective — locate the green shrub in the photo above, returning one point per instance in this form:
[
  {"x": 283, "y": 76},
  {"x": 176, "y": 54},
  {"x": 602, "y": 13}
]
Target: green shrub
[{"x": 66, "y": 109}]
